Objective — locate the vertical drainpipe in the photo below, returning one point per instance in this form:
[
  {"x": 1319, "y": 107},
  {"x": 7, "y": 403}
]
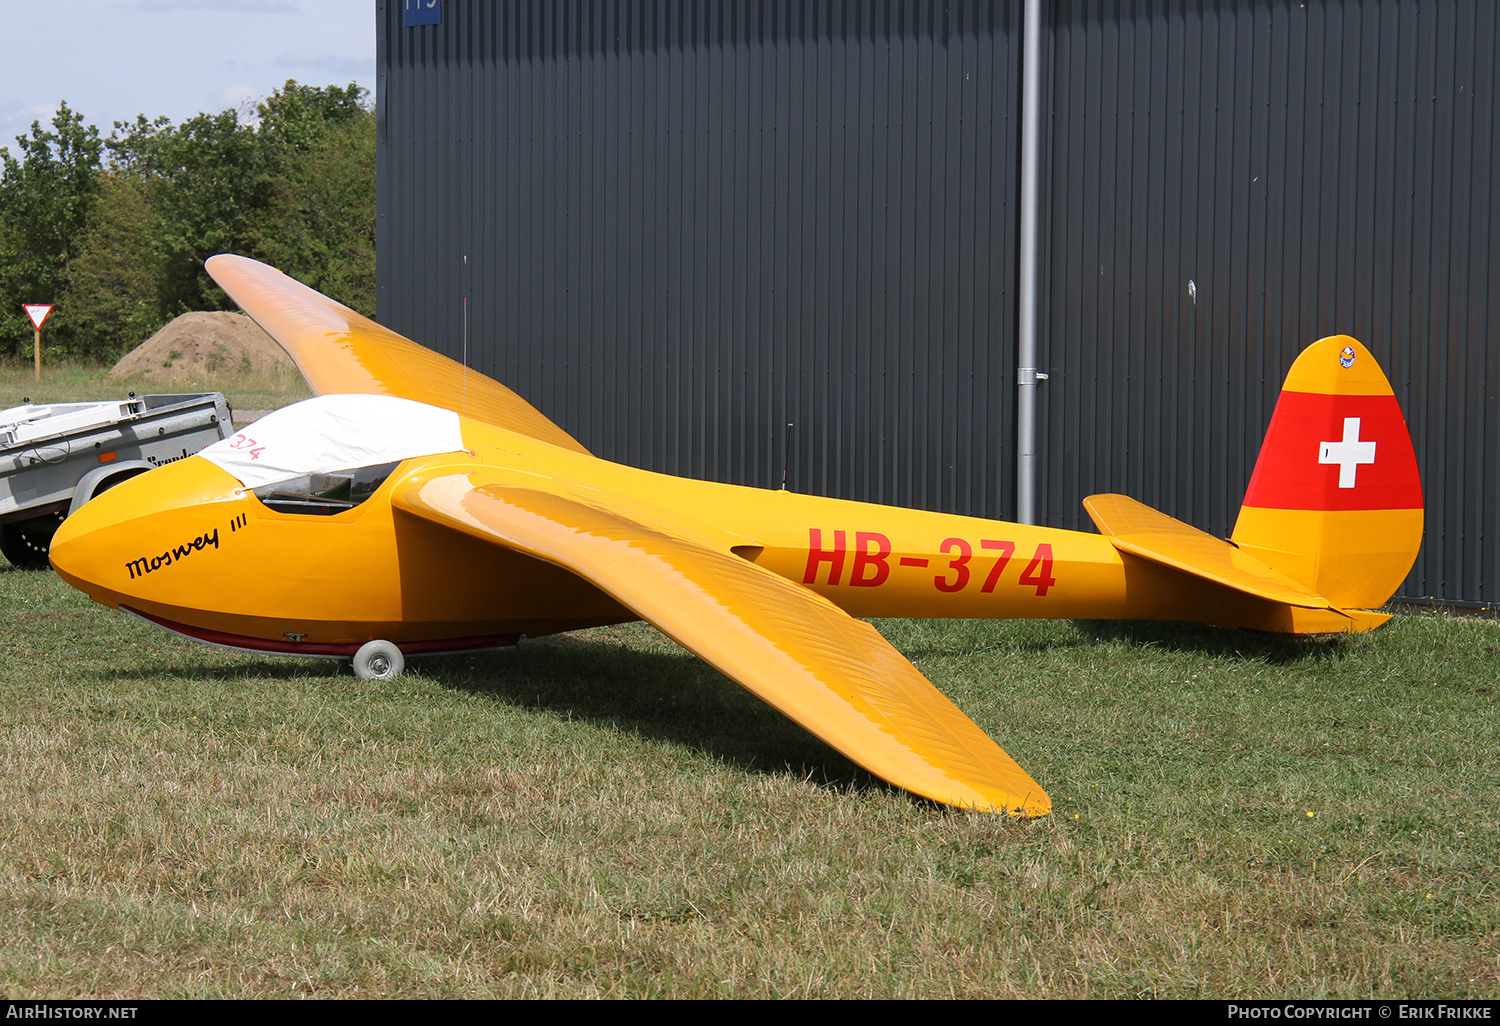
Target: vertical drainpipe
[{"x": 1030, "y": 285}]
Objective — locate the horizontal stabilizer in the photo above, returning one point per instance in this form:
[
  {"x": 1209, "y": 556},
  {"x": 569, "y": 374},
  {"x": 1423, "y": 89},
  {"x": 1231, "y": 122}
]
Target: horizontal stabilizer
[{"x": 1138, "y": 529}]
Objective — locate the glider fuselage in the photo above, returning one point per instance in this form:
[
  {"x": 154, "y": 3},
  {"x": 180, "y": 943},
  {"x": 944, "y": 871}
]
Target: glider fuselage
[{"x": 189, "y": 548}]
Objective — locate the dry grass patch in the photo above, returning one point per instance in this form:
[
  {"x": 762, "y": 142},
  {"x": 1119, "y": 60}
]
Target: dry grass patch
[{"x": 268, "y": 388}]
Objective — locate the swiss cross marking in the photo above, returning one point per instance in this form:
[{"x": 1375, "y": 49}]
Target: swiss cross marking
[{"x": 1348, "y": 454}]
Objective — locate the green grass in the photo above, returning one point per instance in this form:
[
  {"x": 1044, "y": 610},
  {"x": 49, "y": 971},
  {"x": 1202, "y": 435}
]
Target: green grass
[
  {"x": 600, "y": 814},
  {"x": 66, "y": 382}
]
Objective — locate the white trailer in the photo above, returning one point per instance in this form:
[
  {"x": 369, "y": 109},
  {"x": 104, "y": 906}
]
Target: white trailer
[{"x": 54, "y": 457}]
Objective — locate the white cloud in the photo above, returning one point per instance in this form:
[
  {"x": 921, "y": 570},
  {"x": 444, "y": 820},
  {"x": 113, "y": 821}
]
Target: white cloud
[
  {"x": 18, "y": 120},
  {"x": 114, "y": 59},
  {"x": 322, "y": 60}
]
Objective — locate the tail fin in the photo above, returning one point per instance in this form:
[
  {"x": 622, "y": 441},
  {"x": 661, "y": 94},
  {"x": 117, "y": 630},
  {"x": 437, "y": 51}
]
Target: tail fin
[{"x": 1335, "y": 502}]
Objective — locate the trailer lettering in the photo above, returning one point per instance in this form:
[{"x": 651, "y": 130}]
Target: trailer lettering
[{"x": 156, "y": 461}]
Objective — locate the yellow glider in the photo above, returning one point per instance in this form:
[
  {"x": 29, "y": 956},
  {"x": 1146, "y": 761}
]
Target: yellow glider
[{"x": 414, "y": 507}]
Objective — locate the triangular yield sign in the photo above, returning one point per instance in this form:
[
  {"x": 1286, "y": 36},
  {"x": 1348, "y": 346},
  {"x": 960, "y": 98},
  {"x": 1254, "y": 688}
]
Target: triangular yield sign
[{"x": 37, "y": 312}]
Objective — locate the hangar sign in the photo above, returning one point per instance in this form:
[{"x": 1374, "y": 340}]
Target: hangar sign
[{"x": 422, "y": 12}]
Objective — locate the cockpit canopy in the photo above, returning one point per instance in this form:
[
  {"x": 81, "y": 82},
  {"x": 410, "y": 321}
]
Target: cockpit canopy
[{"x": 299, "y": 459}]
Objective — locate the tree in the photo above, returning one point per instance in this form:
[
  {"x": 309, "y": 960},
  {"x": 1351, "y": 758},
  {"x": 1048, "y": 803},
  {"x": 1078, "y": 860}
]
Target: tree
[
  {"x": 114, "y": 297},
  {"x": 319, "y": 222},
  {"x": 298, "y": 191},
  {"x": 295, "y": 118},
  {"x": 47, "y": 196},
  {"x": 203, "y": 180},
  {"x": 120, "y": 249}
]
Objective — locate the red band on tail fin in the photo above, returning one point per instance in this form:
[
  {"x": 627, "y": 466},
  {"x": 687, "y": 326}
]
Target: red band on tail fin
[{"x": 1336, "y": 452}]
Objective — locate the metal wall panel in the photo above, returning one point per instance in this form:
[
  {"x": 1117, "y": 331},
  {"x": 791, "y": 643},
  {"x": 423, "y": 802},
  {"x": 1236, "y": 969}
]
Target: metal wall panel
[
  {"x": 690, "y": 222},
  {"x": 1313, "y": 169},
  {"x": 687, "y": 222}
]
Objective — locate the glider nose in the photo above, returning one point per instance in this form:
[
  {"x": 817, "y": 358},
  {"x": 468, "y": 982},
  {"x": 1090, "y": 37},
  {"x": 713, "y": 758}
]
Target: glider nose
[
  {"x": 94, "y": 547},
  {"x": 75, "y": 551}
]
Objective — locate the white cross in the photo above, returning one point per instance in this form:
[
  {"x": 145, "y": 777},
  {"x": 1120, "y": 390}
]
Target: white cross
[{"x": 1348, "y": 454}]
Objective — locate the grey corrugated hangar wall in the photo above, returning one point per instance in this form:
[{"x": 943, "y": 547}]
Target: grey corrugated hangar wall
[{"x": 681, "y": 224}]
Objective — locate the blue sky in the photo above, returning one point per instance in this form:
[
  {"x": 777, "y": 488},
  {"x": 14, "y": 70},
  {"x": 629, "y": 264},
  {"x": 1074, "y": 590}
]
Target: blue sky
[{"x": 113, "y": 59}]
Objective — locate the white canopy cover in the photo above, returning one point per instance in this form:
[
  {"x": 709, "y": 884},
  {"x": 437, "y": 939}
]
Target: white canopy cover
[{"x": 334, "y": 432}]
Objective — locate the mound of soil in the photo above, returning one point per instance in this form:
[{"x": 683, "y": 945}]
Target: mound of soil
[{"x": 201, "y": 346}]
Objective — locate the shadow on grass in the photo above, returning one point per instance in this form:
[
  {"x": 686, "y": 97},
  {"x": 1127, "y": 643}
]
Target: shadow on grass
[
  {"x": 1201, "y": 639},
  {"x": 666, "y": 696},
  {"x": 960, "y": 638},
  {"x": 674, "y": 697},
  {"x": 248, "y": 668},
  {"x": 663, "y": 696},
  {"x": 999, "y": 638}
]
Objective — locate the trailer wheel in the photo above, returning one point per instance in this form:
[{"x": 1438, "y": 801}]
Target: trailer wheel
[
  {"x": 25, "y": 542},
  {"x": 378, "y": 660}
]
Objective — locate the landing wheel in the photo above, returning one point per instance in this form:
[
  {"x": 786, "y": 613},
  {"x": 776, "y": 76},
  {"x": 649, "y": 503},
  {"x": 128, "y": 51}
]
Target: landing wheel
[
  {"x": 378, "y": 660},
  {"x": 25, "y": 542}
]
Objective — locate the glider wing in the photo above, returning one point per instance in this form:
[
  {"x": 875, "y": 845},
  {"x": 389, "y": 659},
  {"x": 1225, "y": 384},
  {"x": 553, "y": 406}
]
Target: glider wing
[
  {"x": 832, "y": 674},
  {"x": 340, "y": 350}
]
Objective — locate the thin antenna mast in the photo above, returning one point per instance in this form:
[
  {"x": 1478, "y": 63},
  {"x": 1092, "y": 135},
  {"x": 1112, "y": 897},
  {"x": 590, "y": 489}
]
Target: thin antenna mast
[
  {"x": 786, "y": 454},
  {"x": 463, "y": 406}
]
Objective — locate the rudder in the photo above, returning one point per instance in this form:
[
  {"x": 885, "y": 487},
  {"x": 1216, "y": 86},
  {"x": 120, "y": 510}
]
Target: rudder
[{"x": 1335, "y": 501}]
